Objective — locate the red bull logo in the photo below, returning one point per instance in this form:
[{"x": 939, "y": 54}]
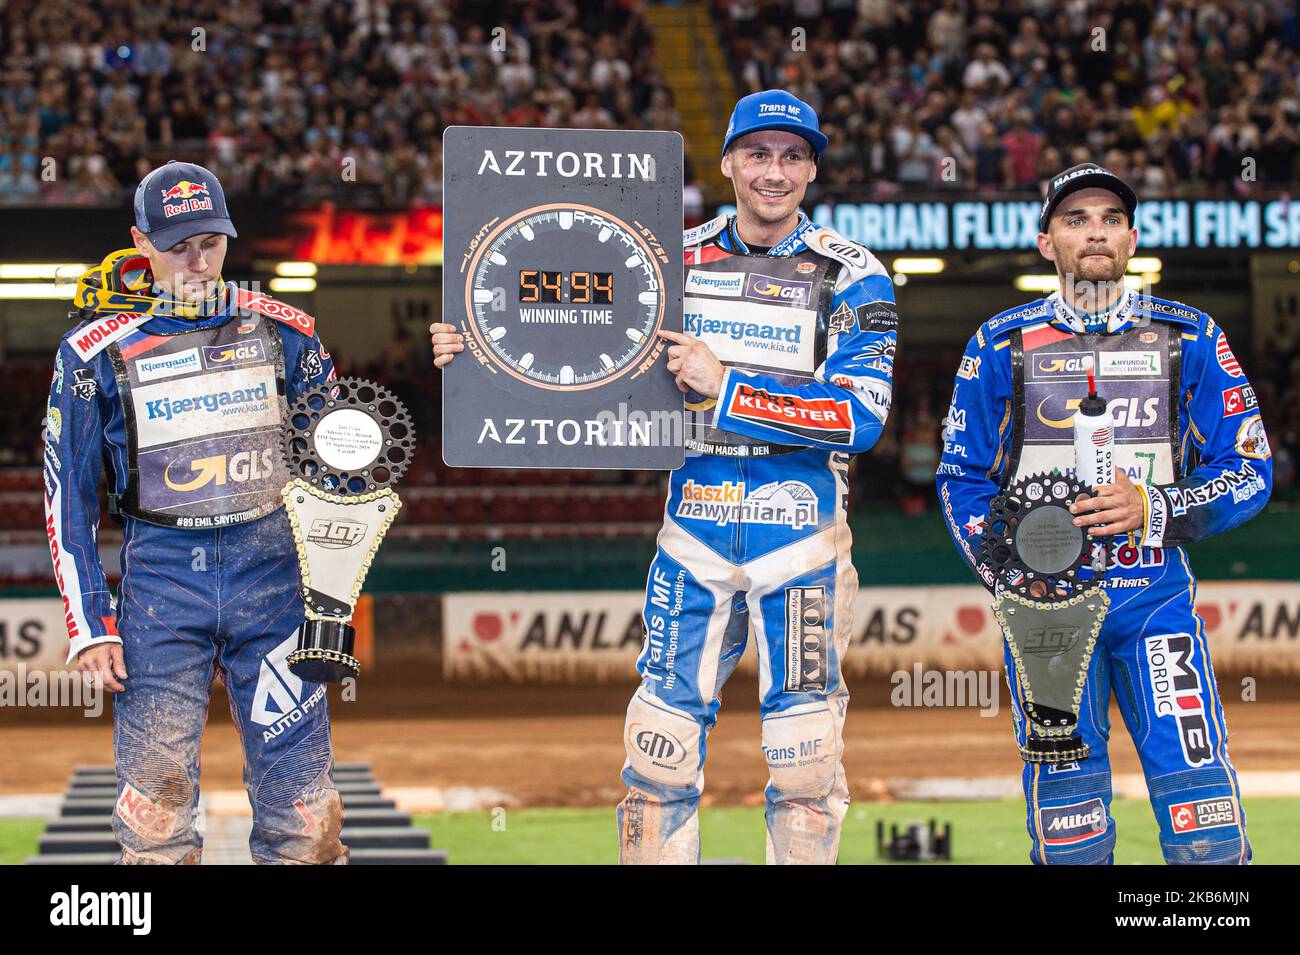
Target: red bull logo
[
  {"x": 185, "y": 190},
  {"x": 186, "y": 196}
]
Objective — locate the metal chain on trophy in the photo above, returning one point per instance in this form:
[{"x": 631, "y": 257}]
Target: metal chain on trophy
[
  {"x": 1050, "y": 605},
  {"x": 346, "y": 444}
]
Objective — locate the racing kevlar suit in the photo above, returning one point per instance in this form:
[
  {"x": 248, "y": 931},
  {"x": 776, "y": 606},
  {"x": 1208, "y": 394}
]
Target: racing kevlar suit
[
  {"x": 1188, "y": 433},
  {"x": 755, "y": 534},
  {"x": 187, "y": 413}
]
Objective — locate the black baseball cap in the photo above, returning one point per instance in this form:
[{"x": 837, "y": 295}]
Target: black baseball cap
[
  {"x": 180, "y": 200},
  {"x": 1086, "y": 175}
]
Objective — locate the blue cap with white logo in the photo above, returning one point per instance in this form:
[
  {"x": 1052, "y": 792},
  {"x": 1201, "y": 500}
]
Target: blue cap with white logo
[
  {"x": 775, "y": 109},
  {"x": 178, "y": 201}
]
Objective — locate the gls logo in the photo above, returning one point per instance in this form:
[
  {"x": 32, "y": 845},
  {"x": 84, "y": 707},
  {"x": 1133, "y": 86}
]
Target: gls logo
[
  {"x": 1125, "y": 412},
  {"x": 1070, "y": 363},
  {"x": 242, "y": 352},
  {"x": 244, "y": 466}
]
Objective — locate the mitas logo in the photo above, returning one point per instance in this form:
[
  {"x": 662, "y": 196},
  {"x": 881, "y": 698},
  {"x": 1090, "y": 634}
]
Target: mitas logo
[{"x": 1068, "y": 825}]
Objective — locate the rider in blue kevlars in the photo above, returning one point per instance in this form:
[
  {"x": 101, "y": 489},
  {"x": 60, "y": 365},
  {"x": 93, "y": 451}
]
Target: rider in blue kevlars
[
  {"x": 1192, "y": 460},
  {"x": 176, "y": 382},
  {"x": 787, "y": 364}
]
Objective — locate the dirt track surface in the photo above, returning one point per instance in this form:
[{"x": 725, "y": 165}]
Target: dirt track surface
[{"x": 561, "y": 745}]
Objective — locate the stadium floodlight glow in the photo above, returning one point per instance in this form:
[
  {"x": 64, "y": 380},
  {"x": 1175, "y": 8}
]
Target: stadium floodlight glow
[
  {"x": 900, "y": 278},
  {"x": 1141, "y": 281},
  {"x": 917, "y": 266},
  {"x": 1037, "y": 283},
  {"x": 1145, "y": 263},
  {"x": 295, "y": 269},
  {"x": 33, "y": 290},
  {"x": 68, "y": 271},
  {"x": 293, "y": 285}
]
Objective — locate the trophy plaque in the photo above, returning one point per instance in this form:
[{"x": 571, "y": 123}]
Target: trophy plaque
[
  {"x": 346, "y": 444},
  {"x": 1050, "y": 604}
]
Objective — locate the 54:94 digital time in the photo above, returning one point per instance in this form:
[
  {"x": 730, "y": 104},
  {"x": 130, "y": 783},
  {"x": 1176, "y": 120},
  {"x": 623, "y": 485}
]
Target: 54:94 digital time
[{"x": 584, "y": 288}]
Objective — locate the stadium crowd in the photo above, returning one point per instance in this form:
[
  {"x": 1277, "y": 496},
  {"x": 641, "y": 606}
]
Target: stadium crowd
[
  {"x": 1182, "y": 98},
  {"x": 304, "y": 100}
]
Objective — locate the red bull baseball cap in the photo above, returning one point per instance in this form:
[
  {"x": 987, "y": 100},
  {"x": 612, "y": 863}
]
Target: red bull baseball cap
[
  {"x": 180, "y": 200},
  {"x": 775, "y": 109}
]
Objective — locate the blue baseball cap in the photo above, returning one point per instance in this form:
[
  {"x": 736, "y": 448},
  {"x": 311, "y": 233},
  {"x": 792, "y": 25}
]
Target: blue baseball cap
[
  {"x": 774, "y": 109},
  {"x": 180, "y": 200}
]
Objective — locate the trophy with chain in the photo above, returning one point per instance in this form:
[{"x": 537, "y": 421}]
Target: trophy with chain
[
  {"x": 1051, "y": 600},
  {"x": 346, "y": 443}
]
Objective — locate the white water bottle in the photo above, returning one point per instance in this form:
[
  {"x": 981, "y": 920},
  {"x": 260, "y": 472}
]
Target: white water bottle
[{"x": 1094, "y": 440}]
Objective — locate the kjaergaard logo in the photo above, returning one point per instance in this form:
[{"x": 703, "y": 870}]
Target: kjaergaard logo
[
  {"x": 169, "y": 408},
  {"x": 166, "y": 366},
  {"x": 730, "y": 284}
]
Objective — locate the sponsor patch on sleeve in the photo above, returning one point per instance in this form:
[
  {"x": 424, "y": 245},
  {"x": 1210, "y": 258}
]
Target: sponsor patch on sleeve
[
  {"x": 823, "y": 419},
  {"x": 1252, "y": 442}
]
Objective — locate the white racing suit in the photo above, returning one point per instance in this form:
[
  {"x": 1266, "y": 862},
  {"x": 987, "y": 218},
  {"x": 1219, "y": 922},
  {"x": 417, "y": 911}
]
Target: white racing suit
[{"x": 755, "y": 535}]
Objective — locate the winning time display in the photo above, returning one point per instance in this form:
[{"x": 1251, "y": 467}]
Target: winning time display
[{"x": 562, "y": 263}]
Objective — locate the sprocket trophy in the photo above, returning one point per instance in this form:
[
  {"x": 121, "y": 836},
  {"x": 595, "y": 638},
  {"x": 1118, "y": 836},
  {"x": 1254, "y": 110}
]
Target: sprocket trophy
[
  {"x": 1050, "y": 604},
  {"x": 346, "y": 445}
]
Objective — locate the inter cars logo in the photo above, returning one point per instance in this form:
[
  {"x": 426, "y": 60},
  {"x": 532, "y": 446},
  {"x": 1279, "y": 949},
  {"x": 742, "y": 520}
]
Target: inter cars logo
[
  {"x": 1239, "y": 400},
  {"x": 1203, "y": 814},
  {"x": 1176, "y": 693}
]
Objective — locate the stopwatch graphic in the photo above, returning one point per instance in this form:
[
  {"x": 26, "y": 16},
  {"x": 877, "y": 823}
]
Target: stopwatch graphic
[{"x": 564, "y": 296}]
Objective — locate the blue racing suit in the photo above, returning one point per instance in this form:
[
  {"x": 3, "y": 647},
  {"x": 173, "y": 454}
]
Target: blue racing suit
[
  {"x": 755, "y": 535},
  {"x": 210, "y": 576},
  {"x": 1188, "y": 433}
]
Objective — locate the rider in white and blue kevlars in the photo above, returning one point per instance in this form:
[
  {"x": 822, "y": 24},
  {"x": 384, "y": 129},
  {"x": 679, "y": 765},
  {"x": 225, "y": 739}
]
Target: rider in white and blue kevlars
[
  {"x": 1192, "y": 459},
  {"x": 755, "y": 533}
]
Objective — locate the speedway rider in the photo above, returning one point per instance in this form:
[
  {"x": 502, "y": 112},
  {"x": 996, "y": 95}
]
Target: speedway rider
[
  {"x": 179, "y": 381},
  {"x": 1192, "y": 460},
  {"x": 787, "y": 364}
]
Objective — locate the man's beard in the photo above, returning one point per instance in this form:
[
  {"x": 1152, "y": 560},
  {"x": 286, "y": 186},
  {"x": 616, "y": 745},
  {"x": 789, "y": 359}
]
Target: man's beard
[{"x": 1094, "y": 268}]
